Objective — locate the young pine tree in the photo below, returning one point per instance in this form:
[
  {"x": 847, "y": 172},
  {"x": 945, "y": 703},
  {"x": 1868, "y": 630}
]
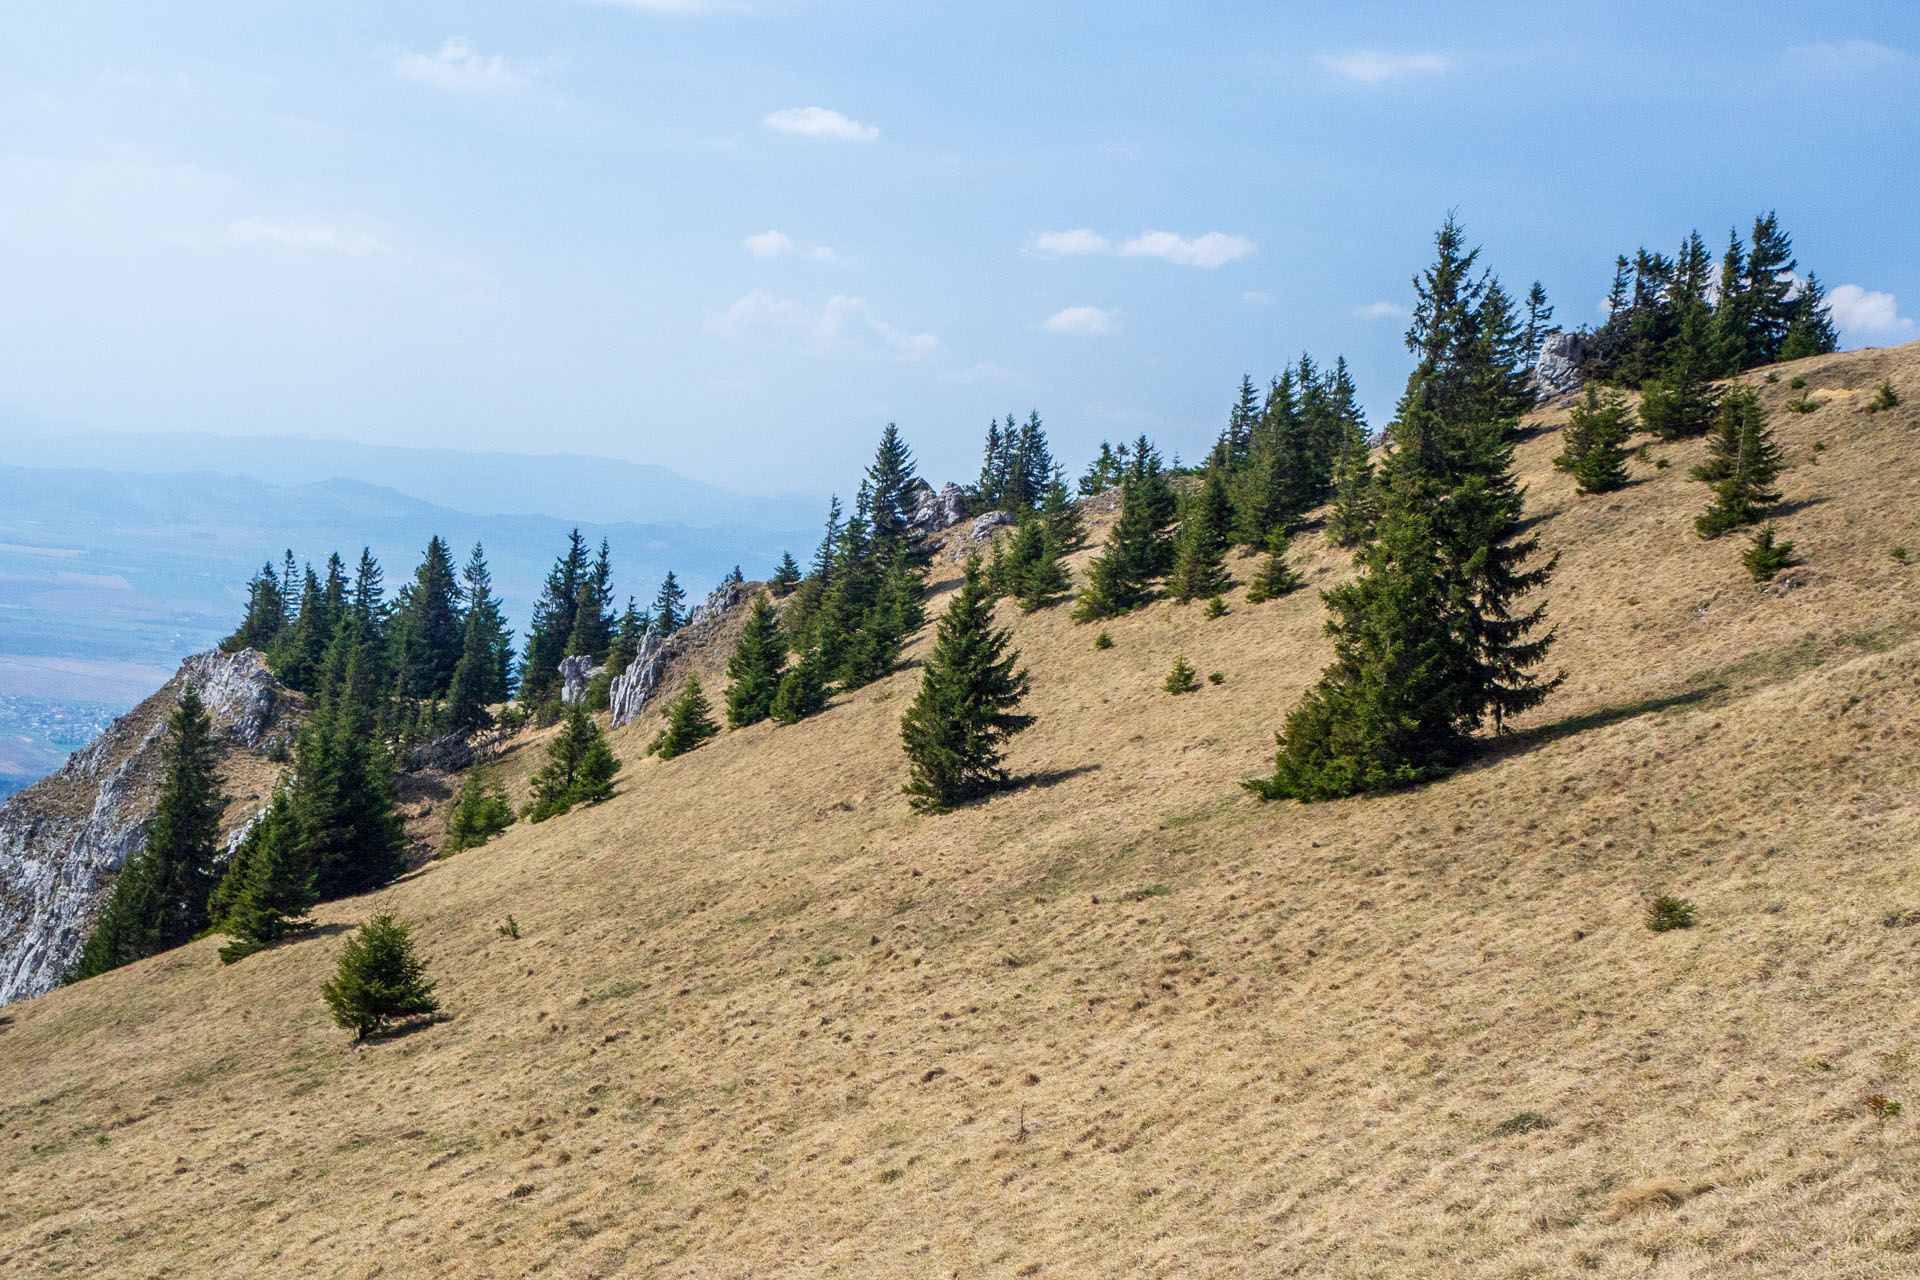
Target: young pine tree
[
  {"x": 786, "y": 575},
  {"x": 1356, "y": 496},
  {"x": 580, "y": 768},
  {"x": 379, "y": 980},
  {"x": 1741, "y": 466},
  {"x": 268, "y": 887},
  {"x": 667, "y": 614},
  {"x": 1276, "y": 577},
  {"x": 1595, "y": 442},
  {"x": 758, "y": 664},
  {"x": 480, "y": 813},
  {"x": 1138, "y": 550},
  {"x": 351, "y": 831},
  {"x": 159, "y": 899},
  {"x": 1200, "y": 547},
  {"x": 1765, "y": 556},
  {"x": 955, "y": 732},
  {"x": 266, "y": 614},
  {"x": 689, "y": 723},
  {"x": 803, "y": 690}
]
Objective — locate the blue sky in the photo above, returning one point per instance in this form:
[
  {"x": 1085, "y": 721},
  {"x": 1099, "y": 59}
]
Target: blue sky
[{"x": 736, "y": 238}]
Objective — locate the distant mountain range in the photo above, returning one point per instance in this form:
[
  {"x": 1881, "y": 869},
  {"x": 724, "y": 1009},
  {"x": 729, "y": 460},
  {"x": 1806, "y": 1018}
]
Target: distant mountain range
[{"x": 109, "y": 577}]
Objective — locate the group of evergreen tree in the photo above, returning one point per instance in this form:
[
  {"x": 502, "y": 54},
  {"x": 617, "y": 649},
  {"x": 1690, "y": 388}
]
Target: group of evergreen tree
[
  {"x": 1280, "y": 454},
  {"x": 580, "y": 768},
  {"x": 1595, "y": 441},
  {"x": 1017, "y": 468},
  {"x": 1432, "y": 639},
  {"x": 1674, "y": 321},
  {"x": 1139, "y": 547}
]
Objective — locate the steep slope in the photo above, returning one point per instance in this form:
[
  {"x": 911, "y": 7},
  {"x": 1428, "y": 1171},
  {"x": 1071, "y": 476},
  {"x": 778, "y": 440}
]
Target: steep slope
[{"x": 761, "y": 1020}]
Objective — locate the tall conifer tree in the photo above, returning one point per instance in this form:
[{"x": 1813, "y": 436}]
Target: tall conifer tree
[{"x": 758, "y": 664}]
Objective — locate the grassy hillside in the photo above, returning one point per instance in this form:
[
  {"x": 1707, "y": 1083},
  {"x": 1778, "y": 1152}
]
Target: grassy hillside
[{"x": 762, "y": 1020}]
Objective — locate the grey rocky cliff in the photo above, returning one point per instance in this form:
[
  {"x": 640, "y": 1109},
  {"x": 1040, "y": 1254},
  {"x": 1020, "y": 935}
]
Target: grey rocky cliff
[
  {"x": 576, "y": 673},
  {"x": 63, "y": 839},
  {"x": 1556, "y": 371},
  {"x": 632, "y": 687}
]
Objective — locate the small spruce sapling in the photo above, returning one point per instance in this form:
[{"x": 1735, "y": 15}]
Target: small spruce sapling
[
  {"x": 379, "y": 980},
  {"x": 1766, "y": 557},
  {"x": 689, "y": 723},
  {"x": 480, "y": 813},
  {"x": 1276, "y": 577},
  {"x": 580, "y": 769},
  {"x": 1883, "y": 399},
  {"x": 1596, "y": 439},
  {"x": 1216, "y": 608},
  {"x": 1666, "y": 912},
  {"x": 802, "y": 691},
  {"x": 1180, "y": 679},
  {"x": 1741, "y": 466},
  {"x": 1105, "y": 641}
]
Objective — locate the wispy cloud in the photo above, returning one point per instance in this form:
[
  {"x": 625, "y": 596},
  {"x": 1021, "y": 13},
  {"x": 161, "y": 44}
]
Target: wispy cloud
[
  {"x": 1084, "y": 322},
  {"x": 1867, "y": 314},
  {"x": 1072, "y": 242},
  {"x": 1257, "y": 298},
  {"x": 1214, "y": 249},
  {"x": 819, "y": 122},
  {"x": 459, "y": 68},
  {"x": 1849, "y": 55},
  {"x": 309, "y": 237},
  {"x": 840, "y": 324},
  {"x": 1372, "y": 66},
  {"x": 778, "y": 244},
  {"x": 1381, "y": 311}
]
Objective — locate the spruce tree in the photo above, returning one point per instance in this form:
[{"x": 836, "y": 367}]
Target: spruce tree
[
  {"x": 1539, "y": 325},
  {"x": 1356, "y": 495},
  {"x": 1138, "y": 549},
  {"x": 351, "y": 830},
  {"x": 380, "y": 980},
  {"x": 1680, "y": 403},
  {"x": 159, "y": 899},
  {"x": 552, "y": 624},
  {"x": 428, "y": 628},
  {"x": 486, "y": 618},
  {"x": 479, "y": 813},
  {"x": 890, "y": 479},
  {"x": 786, "y": 575},
  {"x": 627, "y": 637},
  {"x": 955, "y": 732},
  {"x": 302, "y": 645},
  {"x": 593, "y": 619},
  {"x": 689, "y": 723},
  {"x": 1428, "y": 640},
  {"x": 266, "y": 614},
  {"x": 1810, "y": 330},
  {"x": 369, "y": 603},
  {"x": 268, "y": 887},
  {"x": 758, "y": 663},
  {"x": 667, "y": 614},
  {"x": 580, "y": 768},
  {"x": 1764, "y": 556},
  {"x": 1595, "y": 442},
  {"x": 803, "y": 690},
  {"x": 1200, "y": 548},
  {"x": 1276, "y": 577},
  {"x": 1741, "y": 465}
]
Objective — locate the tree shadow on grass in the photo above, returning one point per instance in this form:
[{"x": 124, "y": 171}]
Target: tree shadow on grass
[
  {"x": 1525, "y": 740},
  {"x": 1048, "y": 777},
  {"x": 1794, "y": 506},
  {"x": 401, "y": 1030}
]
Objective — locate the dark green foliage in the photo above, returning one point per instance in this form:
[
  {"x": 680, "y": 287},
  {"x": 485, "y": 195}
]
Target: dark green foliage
[
  {"x": 1428, "y": 644},
  {"x": 1766, "y": 557},
  {"x": 1665, "y": 913},
  {"x": 1105, "y": 471},
  {"x": 668, "y": 616},
  {"x": 1741, "y": 466},
  {"x": 689, "y": 723},
  {"x": 1138, "y": 549},
  {"x": 579, "y": 770},
  {"x": 1276, "y": 577},
  {"x": 1216, "y": 608},
  {"x": 1595, "y": 441},
  {"x": 427, "y": 630},
  {"x": 480, "y": 812},
  {"x": 1883, "y": 399},
  {"x": 553, "y": 623},
  {"x": 803, "y": 690},
  {"x": 1103, "y": 641},
  {"x": 593, "y": 618},
  {"x": 268, "y": 887},
  {"x": 627, "y": 636},
  {"x": 379, "y": 980},
  {"x": 758, "y": 664},
  {"x": 1283, "y": 459},
  {"x": 889, "y": 480},
  {"x": 1356, "y": 495},
  {"x": 1016, "y": 469},
  {"x": 266, "y": 614},
  {"x": 786, "y": 575},
  {"x": 956, "y": 730},
  {"x": 1200, "y": 548},
  {"x": 1216, "y": 677},
  {"x": 159, "y": 899},
  {"x": 343, "y": 783},
  {"x": 1539, "y": 324},
  {"x": 1180, "y": 679}
]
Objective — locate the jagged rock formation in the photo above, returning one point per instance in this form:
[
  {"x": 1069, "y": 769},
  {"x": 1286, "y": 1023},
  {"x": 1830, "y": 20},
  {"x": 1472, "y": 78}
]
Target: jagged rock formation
[
  {"x": 986, "y": 523},
  {"x": 931, "y": 512},
  {"x": 63, "y": 839},
  {"x": 575, "y": 674},
  {"x": 1557, "y": 369},
  {"x": 636, "y": 684}
]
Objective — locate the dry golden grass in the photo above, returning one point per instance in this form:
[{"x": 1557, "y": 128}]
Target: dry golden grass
[{"x": 763, "y": 1021}]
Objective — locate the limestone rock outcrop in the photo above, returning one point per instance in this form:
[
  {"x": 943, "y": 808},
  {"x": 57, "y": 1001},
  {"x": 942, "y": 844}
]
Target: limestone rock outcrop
[
  {"x": 632, "y": 687},
  {"x": 63, "y": 839},
  {"x": 576, "y": 673},
  {"x": 1557, "y": 368}
]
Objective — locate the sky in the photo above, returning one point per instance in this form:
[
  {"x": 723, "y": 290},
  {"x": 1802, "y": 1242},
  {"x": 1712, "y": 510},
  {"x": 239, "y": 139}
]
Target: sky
[{"x": 736, "y": 238}]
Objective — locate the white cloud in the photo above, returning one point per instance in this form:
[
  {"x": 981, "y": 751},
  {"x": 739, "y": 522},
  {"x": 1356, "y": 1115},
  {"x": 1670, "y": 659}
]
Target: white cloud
[
  {"x": 1213, "y": 249},
  {"x": 1863, "y": 313},
  {"x": 1257, "y": 298},
  {"x": 841, "y": 323},
  {"x": 818, "y": 122},
  {"x": 306, "y": 236},
  {"x": 1068, "y": 242},
  {"x": 1085, "y": 322},
  {"x": 1381, "y": 311},
  {"x": 778, "y": 244},
  {"x": 1371, "y": 66},
  {"x": 1849, "y": 55},
  {"x": 458, "y": 68}
]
